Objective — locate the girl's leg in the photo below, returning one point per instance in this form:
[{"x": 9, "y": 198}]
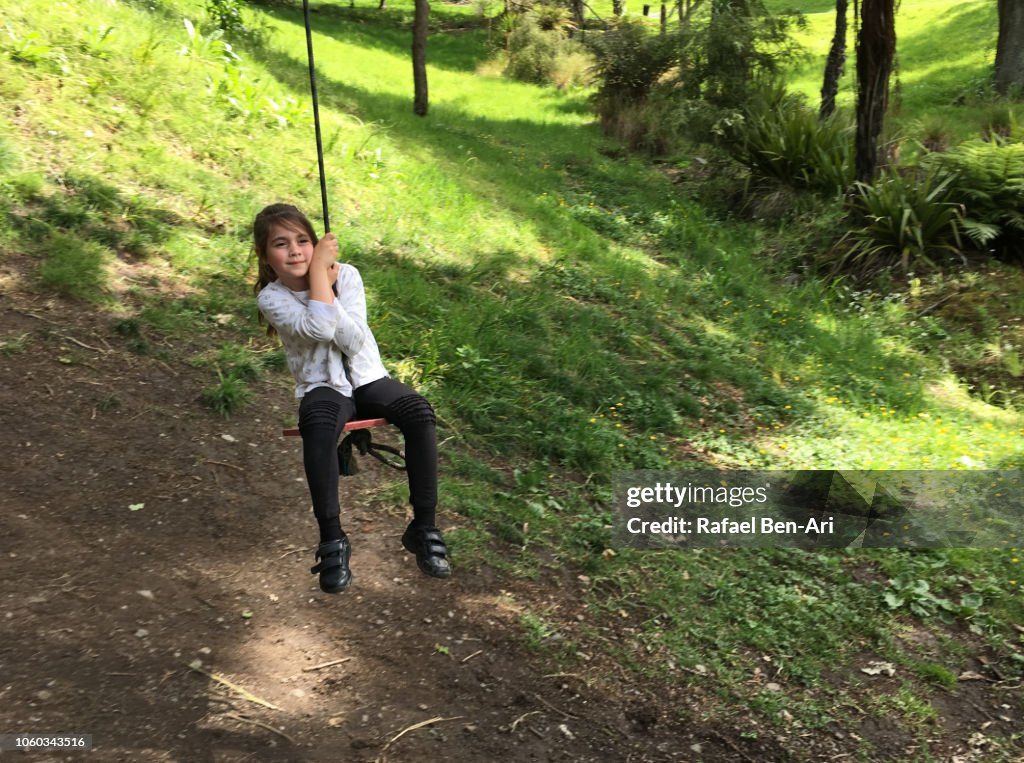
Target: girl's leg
[
  {"x": 412, "y": 414},
  {"x": 323, "y": 413}
]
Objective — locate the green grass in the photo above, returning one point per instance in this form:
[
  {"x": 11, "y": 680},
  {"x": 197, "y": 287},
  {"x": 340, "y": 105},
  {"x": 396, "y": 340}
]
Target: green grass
[{"x": 568, "y": 314}]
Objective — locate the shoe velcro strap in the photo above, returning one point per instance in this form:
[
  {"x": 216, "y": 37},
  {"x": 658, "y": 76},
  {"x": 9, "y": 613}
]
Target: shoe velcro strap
[
  {"x": 329, "y": 556},
  {"x": 433, "y": 543},
  {"x": 328, "y": 562}
]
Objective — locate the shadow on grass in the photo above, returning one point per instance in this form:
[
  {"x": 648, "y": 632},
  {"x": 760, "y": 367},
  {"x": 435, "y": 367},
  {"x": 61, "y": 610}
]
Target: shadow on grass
[
  {"x": 454, "y": 42},
  {"x": 77, "y": 227},
  {"x": 937, "y": 46}
]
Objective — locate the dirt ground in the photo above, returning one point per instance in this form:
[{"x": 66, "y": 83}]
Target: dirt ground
[{"x": 156, "y": 594}]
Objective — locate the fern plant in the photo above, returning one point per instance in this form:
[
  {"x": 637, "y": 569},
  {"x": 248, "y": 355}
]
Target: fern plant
[{"x": 989, "y": 183}]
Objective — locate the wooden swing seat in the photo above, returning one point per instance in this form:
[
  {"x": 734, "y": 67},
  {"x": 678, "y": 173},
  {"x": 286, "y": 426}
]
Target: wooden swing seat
[{"x": 349, "y": 427}]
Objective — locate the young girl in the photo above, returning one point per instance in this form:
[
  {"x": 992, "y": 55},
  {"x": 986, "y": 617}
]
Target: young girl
[{"x": 318, "y": 309}]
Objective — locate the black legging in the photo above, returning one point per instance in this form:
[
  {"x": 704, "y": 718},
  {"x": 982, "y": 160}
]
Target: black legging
[{"x": 323, "y": 413}]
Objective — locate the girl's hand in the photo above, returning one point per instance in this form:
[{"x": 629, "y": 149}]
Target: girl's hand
[
  {"x": 325, "y": 254},
  {"x": 332, "y": 273}
]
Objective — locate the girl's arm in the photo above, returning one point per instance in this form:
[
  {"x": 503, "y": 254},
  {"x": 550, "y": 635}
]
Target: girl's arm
[
  {"x": 352, "y": 329},
  {"x": 323, "y": 269},
  {"x": 317, "y": 321}
]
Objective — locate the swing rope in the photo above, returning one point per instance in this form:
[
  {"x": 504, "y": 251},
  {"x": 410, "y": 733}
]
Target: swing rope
[{"x": 316, "y": 116}]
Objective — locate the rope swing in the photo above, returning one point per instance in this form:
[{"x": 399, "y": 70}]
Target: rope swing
[{"x": 316, "y": 116}]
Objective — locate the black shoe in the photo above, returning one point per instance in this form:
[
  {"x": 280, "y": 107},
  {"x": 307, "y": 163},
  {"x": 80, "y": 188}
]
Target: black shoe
[
  {"x": 431, "y": 552},
  {"x": 333, "y": 565}
]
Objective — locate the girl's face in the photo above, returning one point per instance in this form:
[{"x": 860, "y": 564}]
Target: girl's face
[{"x": 289, "y": 251}]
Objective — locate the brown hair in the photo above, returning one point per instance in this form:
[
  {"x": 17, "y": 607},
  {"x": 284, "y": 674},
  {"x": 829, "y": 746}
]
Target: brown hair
[{"x": 275, "y": 214}]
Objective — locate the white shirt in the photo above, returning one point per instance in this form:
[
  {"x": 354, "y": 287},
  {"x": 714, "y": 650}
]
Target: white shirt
[{"x": 318, "y": 337}]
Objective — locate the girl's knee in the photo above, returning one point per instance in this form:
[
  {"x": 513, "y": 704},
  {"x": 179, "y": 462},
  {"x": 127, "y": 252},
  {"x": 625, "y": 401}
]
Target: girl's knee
[
  {"x": 411, "y": 411},
  {"x": 319, "y": 416}
]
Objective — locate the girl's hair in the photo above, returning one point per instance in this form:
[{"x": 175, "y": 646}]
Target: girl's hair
[{"x": 275, "y": 214}]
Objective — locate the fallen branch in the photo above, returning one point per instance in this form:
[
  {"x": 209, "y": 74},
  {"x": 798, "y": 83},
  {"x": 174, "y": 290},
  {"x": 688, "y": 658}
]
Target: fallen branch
[
  {"x": 523, "y": 717},
  {"x": 552, "y": 707},
  {"x": 261, "y": 724},
  {"x": 243, "y": 693},
  {"x": 38, "y": 317},
  {"x": 403, "y": 732},
  {"x": 941, "y": 302},
  {"x": 221, "y": 463},
  {"x": 565, "y": 675},
  {"x": 83, "y": 344},
  {"x": 471, "y": 656},
  {"x": 326, "y": 664}
]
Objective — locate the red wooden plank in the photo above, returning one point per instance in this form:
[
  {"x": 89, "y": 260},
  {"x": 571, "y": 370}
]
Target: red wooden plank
[{"x": 359, "y": 424}]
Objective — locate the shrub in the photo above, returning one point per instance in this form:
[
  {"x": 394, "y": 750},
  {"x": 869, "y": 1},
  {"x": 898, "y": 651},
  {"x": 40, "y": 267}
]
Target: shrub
[
  {"x": 532, "y": 51},
  {"x": 539, "y": 50},
  {"x": 226, "y": 14},
  {"x": 781, "y": 138},
  {"x": 703, "y": 75},
  {"x": 910, "y": 220},
  {"x": 629, "y": 60},
  {"x": 989, "y": 182}
]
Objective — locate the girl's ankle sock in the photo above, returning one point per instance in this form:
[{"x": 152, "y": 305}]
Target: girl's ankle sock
[
  {"x": 423, "y": 517},
  {"x": 330, "y": 530}
]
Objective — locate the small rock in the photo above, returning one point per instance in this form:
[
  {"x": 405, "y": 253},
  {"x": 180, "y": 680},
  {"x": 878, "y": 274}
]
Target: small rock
[
  {"x": 970, "y": 675},
  {"x": 141, "y": 633},
  {"x": 876, "y": 668},
  {"x": 228, "y": 438},
  {"x": 145, "y": 594},
  {"x": 205, "y": 650},
  {"x": 565, "y": 730}
]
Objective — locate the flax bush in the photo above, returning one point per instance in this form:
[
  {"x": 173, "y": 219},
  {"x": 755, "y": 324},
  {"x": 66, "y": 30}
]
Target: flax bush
[{"x": 781, "y": 138}]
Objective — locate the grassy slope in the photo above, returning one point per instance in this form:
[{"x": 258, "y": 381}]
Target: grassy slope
[
  {"x": 945, "y": 52},
  {"x": 561, "y": 308}
]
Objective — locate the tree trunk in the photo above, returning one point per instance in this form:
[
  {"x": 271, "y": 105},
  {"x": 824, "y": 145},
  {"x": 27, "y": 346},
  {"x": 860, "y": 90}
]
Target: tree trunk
[
  {"x": 419, "y": 57},
  {"x": 876, "y": 45},
  {"x": 835, "y": 63},
  {"x": 1010, "y": 47},
  {"x": 664, "y": 19},
  {"x": 686, "y": 10},
  {"x": 618, "y": 7},
  {"x": 577, "y": 15}
]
